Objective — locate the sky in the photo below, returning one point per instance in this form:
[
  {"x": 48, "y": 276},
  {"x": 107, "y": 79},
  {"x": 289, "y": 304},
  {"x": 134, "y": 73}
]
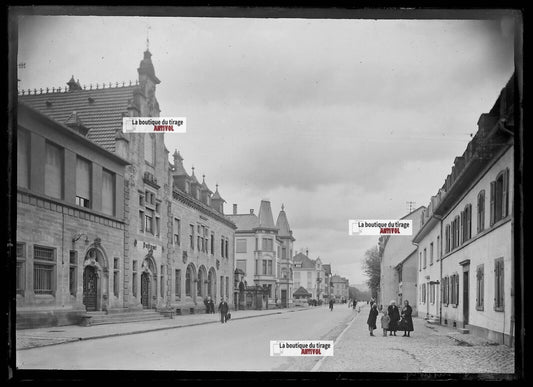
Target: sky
[{"x": 336, "y": 119}]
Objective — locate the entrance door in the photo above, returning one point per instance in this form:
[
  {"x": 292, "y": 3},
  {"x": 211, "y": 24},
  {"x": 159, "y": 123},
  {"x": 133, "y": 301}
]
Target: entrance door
[
  {"x": 284, "y": 298},
  {"x": 145, "y": 290},
  {"x": 465, "y": 298},
  {"x": 90, "y": 282}
]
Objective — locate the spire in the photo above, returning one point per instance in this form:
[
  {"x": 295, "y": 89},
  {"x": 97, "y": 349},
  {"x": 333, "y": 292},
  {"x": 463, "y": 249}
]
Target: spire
[
  {"x": 204, "y": 185},
  {"x": 266, "y": 219},
  {"x": 194, "y": 180},
  {"x": 146, "y": 67},
  {"x": 73, "y": 85},
  {"x": 216, "y": 195},
  {"x": 178, "y": 165},
  {"x": 283, "y": 224}
]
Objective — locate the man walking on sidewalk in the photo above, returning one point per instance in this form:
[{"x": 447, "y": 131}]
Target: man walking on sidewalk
[{"x": 223, "y": 309}]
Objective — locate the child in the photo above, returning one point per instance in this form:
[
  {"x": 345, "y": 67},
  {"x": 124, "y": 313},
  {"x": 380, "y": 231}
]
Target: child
[{"x": 385, "y": 319}]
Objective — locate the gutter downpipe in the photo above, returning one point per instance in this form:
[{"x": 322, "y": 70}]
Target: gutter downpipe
[{"x": 440, "y": 268}]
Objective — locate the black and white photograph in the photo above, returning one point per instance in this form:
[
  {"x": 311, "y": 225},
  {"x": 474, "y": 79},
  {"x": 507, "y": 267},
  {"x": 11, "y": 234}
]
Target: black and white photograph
[{"x": 269, "y": 191}]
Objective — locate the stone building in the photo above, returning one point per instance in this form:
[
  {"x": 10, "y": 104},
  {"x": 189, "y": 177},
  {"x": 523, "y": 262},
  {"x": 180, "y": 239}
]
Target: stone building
[
  {"x": 70, "y": 220},
  {"x": 398, "y": 278},
  {"x": 263, "y": 253},
  {"x": 472, "y": 219},
  {"x": 310, "y": 275},
  {"x": 145, "y": 267},
  {"x": 340, "y": 287}
]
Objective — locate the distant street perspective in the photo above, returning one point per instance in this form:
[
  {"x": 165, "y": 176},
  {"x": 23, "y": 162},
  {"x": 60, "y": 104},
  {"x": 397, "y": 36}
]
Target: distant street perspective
[{"x": 198, "y": 192}]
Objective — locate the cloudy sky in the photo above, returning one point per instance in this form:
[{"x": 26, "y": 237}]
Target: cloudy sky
[{"x": 337, "y": 119}]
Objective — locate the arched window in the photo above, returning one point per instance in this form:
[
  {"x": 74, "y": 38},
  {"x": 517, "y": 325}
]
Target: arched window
[{"x": 189, "y": 275}]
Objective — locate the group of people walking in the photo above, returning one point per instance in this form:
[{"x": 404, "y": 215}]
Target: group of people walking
[{"x": 392, "y": 320}]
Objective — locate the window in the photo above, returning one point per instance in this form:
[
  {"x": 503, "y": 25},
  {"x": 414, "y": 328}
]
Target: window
[
  {"x": 116, "y": 277},
  {"x": 83, "y": 182},
  {"x": 162, "y": 281},
  {"x": 432, "y": 293},
  {"x": 256, "y": 244},
  {"x": 431, "y": 253},
  {"x": 21, "y": 266},
  {"x": 466, "y": 221},
  {"x": 480, "y": 287},
  {"x": 241, "y": 264},
  {"x": 188, "y": 282},
  {"x": 423, "y": 293},
  {"x": 141, "y": 221},
  {"x": 284, "y": 252},
  {"x": 222, "y": 247},
  {"x": 269, "y": 267},
  {"x": 73, "y": 272},
  {"x": 438, "y": 248},
  {"x": 425, "y": 258},
  {"x": 498, "y": 285},
  {"x": 149, "y": 148},
  {"x": 212, "y": 244},
  {"x": 43, "y": 270},
  {"x": 191, "y": 237},
  {"x": 53, "y": 171},
  {"x": 221, "y": 286},
  {"x": 240, "y": 245},
  {"x": 177, "y": 284},
  {"x": 177, "y": 231},
  {"x": 447, "y": 242},
  {"x": 454, "y": 285},
  {"x": 268, "y": 244},
  {"x": 148, "y": 221},
  {"x": 445, "y": 290},
  {"x": 200, "y": 283},
  {"x": 499, "y": 197},
  {"x": 157, "y": 229},
  {"x": 420, "y": 263},
  {"x": 227, "y": 249},
  {"x": 264, "y": 266},
  {"x": 481, "y": 211},
  {"x": 23, "y": 158},
  {"x": 227, "y": 287},
  {"x": 141, "y": 200},
  {"x": 134, "y": 279},
  {"x": 108, "y": 192}
]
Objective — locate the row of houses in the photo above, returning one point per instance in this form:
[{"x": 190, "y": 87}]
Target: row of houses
[
  {"x": 107, "y": 223},
  {"x": 458, "y": 268}
]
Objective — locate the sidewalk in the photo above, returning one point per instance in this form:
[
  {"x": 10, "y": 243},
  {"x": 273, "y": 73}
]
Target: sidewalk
[{"x": 41, "y": 337}]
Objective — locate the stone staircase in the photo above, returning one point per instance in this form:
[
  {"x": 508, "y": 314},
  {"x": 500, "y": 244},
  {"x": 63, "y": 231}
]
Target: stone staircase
[{"x": 120, "y": 317}]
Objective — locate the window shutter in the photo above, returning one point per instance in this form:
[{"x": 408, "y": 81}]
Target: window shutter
[
  {"x": 492, "y": 192},
  {"x": 83, "y": 178},
  {"x": 505, "y": 198}
]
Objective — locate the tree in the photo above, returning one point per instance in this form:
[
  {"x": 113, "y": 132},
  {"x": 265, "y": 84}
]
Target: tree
[{"x": 372, "y": 268}]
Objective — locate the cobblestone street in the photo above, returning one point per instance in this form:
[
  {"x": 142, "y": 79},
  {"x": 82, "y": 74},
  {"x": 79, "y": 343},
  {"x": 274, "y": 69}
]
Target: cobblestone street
[{"x": 430, "y": 349}]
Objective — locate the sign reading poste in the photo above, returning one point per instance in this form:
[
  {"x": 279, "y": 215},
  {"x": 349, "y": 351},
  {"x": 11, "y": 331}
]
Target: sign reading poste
[
  {"x": 380, "y": 227},
  {"x": 154, "y": 124}
]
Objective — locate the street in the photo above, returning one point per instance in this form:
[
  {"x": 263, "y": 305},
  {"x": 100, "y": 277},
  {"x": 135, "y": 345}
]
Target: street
[{"x": 243, "y": 345}]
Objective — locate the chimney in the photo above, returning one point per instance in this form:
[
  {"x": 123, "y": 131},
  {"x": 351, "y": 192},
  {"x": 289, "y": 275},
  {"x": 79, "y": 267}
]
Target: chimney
[
  {"x": 251, "y": 211},
  {"x": 234, "y": 209}
]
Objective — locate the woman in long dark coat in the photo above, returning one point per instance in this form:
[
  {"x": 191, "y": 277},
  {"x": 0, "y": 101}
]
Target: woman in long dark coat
[
  {"x": 372, "y": 317},
  {"x": 394, "y": 314},
  {"x": 407, "y": 319}
]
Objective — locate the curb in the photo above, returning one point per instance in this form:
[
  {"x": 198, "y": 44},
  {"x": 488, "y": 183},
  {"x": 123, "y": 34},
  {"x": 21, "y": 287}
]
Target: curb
[{"x": 73, "y": 340}]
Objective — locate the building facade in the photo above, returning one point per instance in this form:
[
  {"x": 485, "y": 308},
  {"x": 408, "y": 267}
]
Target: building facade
[
  {"x": 262, "y": 253},
  {"x": 125, "y": 183},
  {"x": 473, "y": 219},
  {"x": 340, "y": 287},
  {"x": 398, "y": 270},
  {"x": 70, "y": 222},
  {"x": 310, "y": 275}
]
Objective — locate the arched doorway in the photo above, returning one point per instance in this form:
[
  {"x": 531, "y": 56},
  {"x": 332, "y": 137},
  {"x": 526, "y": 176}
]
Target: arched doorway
[
  {"x": 90, "y": 288},
  {"x": 202, "y": 282},
  {"x": 190, "y": 277},
  {"x": 95, "y": 280},
  {"x": 148, "y": 282}
]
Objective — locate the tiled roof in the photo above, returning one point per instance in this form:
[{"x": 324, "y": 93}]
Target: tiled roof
[
  {"x": 103, "y": 116},
  {"x": 307, "y": 263},
  {"x": 246, "y": 222}
]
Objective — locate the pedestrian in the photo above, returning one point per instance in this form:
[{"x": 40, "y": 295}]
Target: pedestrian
[
  {"x": 331, "y": 305},
  {"x": 407, "y": 319},
  {"x": 223, "y": 308},
  {"x": 211, "y": 306},
  {"x": 372, "y": 317},
  {"x": 206, "y": 303},
  {"x": 372, "y": 302},
  {"x": 385, "y": 320},
  {"x": 354, "y": 304},
  {"x": 394, "y": 315}
]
